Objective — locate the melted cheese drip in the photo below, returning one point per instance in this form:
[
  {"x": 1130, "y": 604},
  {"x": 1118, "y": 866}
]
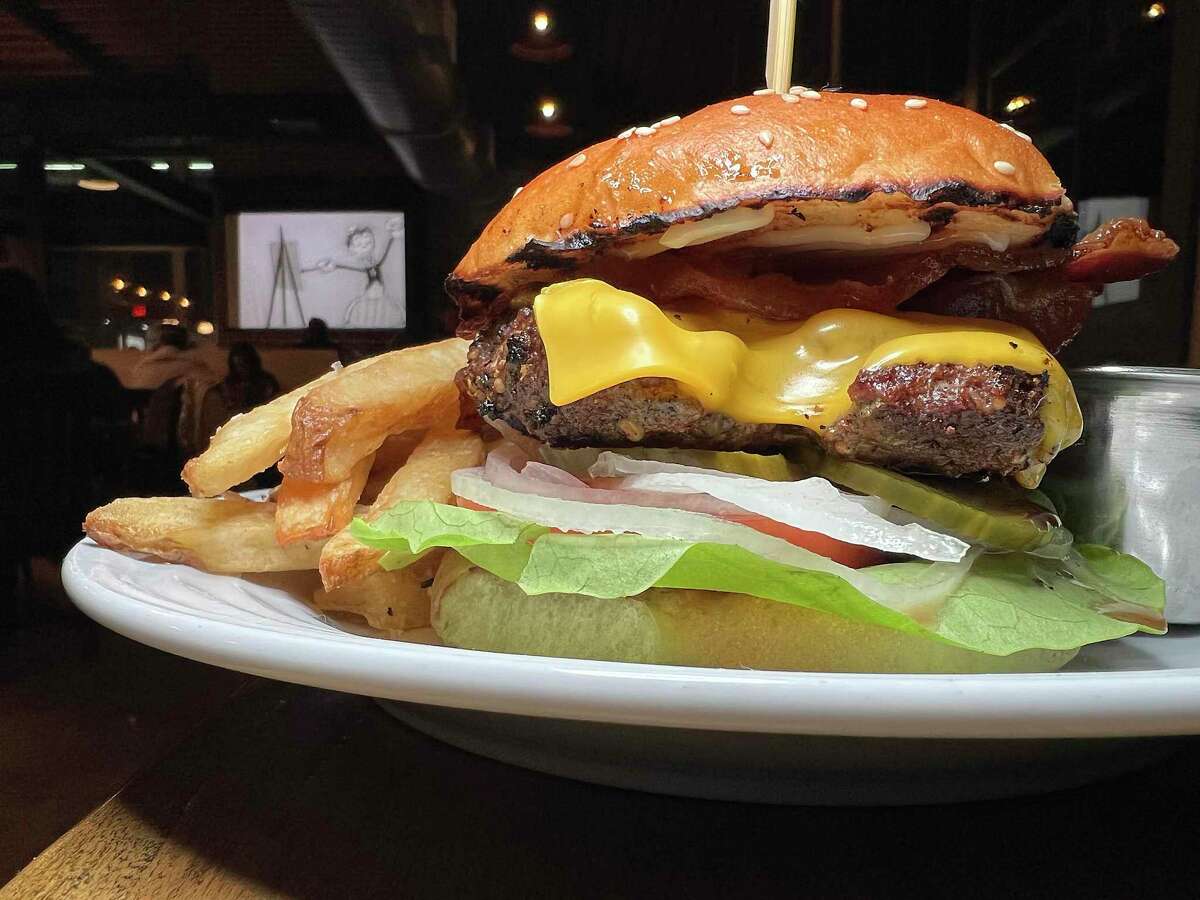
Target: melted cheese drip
[{"x": 757, "y": 371}]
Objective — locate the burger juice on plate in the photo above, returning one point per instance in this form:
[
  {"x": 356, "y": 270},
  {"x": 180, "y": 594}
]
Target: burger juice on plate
[{"x": 776, "y": 388}]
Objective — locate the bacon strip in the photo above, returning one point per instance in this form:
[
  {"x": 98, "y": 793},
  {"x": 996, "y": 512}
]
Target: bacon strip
[
  {"x": 1045, "y": 289},
  {"x": 1046, "y": 302},
  {"x": 1120, "y": 250},
  {"x": 671, "y": 279},
  {"x": 795, "y": 286}
]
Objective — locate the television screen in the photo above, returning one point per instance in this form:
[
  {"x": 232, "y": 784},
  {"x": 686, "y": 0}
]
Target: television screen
[{"x": 344, "y": 267}]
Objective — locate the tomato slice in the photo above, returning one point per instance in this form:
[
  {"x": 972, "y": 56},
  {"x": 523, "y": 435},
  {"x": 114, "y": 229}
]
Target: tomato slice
[
  {"x": 470, "y": 504},
  {"x": 853, "y": 555}
]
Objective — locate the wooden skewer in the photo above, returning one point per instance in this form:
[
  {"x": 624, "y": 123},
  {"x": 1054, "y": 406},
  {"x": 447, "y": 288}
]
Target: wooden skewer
[{"x": 780, "y": 35}]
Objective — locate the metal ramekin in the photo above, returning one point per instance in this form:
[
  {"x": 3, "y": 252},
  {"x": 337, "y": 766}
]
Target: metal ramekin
[{"x": 1133, "y": 480}]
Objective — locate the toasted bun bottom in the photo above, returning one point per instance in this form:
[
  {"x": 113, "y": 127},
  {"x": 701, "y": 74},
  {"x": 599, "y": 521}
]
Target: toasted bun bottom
[{"x": 479, "y": 611}]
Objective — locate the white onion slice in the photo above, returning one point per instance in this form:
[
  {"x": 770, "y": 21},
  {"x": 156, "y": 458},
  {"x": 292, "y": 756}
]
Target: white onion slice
[
  {"x": 812, "y": 504},
  {"x": 506, "y": 468},
  {"x": 918, "y": 598}
]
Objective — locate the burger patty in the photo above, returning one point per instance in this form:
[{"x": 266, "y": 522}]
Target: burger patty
[{"x": 943, "y": 418}]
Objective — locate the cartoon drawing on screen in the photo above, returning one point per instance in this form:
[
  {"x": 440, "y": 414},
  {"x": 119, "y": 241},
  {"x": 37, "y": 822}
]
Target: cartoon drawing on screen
[{"x": 372, "y": 308}]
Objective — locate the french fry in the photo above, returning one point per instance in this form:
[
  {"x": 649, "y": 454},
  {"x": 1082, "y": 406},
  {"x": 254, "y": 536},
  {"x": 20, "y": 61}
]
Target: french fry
[
  {"x": 231, "y": 535},
  {"x": 391, "y": 455},
  {"x": 343, "y": 420},
  {"x": 308, "y": 511},
  {"x": 426, "y": 476},
  {"x": 254, "y": 441},
  {"x": 389, "y": 601}
]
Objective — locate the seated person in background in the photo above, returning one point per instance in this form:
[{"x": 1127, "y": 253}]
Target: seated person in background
[
  {"x": 170, "y": 360},
  {"x": 317, "y": 335},
  {"x": 45, "y": 460},
  {"x": 209, "y": 403}
]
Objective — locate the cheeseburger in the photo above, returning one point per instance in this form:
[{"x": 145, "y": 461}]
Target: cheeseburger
[{"x": 775, "y": 387}]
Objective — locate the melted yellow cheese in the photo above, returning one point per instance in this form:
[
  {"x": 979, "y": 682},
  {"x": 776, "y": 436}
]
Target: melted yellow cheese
[{"x": 757, "y": 371}]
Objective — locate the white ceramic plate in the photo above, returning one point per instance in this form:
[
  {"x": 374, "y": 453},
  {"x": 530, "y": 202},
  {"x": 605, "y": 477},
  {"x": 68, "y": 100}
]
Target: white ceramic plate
[{"x": 1134, "y": 688}]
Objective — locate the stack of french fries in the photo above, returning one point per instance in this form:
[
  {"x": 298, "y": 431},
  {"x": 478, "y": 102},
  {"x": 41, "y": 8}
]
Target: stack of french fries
[{"x": 352, "y": 443}]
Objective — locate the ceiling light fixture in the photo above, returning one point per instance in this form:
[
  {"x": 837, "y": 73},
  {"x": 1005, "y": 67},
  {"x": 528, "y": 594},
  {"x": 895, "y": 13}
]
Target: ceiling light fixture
[
  {"x": 547, "y": 122},
  {"x": 119, "y": 284},
  {"x": 540, "y": 44},
  {"x": 204, "y": 327},
  {"x": 63, "y": 167},
  {"x": 200, "y": 165},
  {"x": 98, "y": 184},
  {"x": 159, "y": 166},
  {"x": 184, "y": 302},
  {"x": 140, "y": 291}
]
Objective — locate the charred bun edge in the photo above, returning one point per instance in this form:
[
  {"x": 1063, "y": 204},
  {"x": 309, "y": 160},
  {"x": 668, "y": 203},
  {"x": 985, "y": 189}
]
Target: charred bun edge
[
  {"x": 470, "y": 293},
  {"x": 537, "y": 254}
]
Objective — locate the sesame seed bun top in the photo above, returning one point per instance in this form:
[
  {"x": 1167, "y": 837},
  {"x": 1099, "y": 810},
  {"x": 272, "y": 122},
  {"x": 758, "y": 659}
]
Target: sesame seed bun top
[{"x": 801, "y": 151}]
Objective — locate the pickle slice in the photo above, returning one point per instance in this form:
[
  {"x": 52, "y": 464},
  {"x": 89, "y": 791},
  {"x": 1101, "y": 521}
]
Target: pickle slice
[
  {"x": 996, "y": 514},
  {"x": 772, "y": 467}
]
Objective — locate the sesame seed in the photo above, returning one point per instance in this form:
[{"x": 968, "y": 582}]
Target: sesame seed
[
  {"x": 577, "y": 161},
  {"x": 643, "y": 130},
  {"x": 739, "y": 110},
  {"x": 566, "y": 221},
  {"x": 669, "y": 120},
  {"x": 625, "y": 135},
  {"x": 765, "y": 138},
  {"x": 811, "y": 95},
  {"x": 797, "y": 89},
  {"x": 1004, "y": 167},
  {"x": 762, "y": 92},
  {"x": 518, "y": 190},
  {"x": 1022, "y": 135},
  {"x": 858, "y": 103},
  {"x": 789, "y": 98},
  {"x": 914, "y": 103}
]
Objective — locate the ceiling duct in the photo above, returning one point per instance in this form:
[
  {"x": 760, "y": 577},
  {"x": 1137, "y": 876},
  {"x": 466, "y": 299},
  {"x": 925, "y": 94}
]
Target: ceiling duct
[{"x": 406, "y": 82}]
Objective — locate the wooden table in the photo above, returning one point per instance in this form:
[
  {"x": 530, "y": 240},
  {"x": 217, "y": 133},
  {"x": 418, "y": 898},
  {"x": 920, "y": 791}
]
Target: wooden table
[{"x": 297, "y": 792}]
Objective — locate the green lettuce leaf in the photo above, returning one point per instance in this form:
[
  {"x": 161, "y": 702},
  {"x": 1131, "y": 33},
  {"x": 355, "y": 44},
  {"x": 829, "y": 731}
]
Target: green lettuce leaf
[{"x": 1007, "y": 602}]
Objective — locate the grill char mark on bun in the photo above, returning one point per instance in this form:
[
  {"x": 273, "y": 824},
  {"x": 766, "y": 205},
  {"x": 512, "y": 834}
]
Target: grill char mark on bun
[
  {"x": 570, "y": 251},
  {"x": 947, "y": 419}
]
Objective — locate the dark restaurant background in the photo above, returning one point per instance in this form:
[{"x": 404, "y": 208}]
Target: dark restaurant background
[{"x": 131, "y": 133}]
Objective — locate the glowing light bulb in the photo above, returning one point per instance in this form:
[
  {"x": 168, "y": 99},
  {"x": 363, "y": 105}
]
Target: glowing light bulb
[
  {"x": 541, "y": 21},
  {"x": 204, "y": 327},
  {"x": 549, "y": 110},
  {"x": 165, "y": 296},
  {"x": 1155, "y": 11},
  {"x": 140, "y": 291},
  {"x": 184, "y": 302},
  {"x": 1018, "y": 103},
  {"x": 119, "y": 284}
]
